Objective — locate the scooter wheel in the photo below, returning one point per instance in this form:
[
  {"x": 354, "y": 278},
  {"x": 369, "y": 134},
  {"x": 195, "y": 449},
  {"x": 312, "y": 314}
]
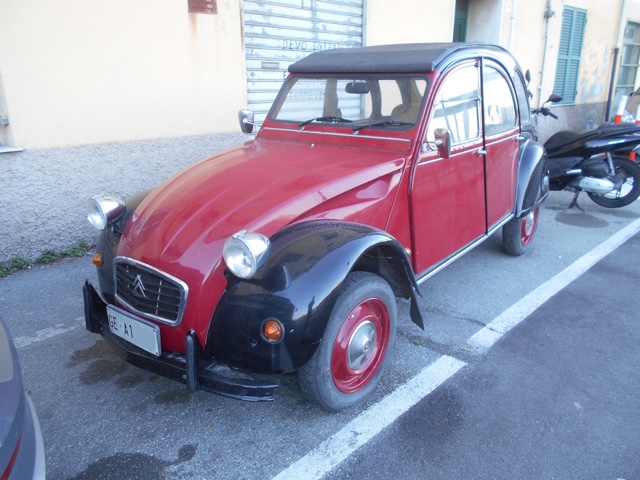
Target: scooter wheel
[{"x": 630, "y": 189}]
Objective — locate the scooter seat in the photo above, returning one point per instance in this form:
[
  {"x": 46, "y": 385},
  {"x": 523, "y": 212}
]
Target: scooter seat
[{"x": 565, "y": 138}]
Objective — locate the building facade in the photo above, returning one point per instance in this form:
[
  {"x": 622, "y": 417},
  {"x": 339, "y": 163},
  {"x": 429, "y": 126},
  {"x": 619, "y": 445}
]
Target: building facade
[{"x": 112, "y": 97}]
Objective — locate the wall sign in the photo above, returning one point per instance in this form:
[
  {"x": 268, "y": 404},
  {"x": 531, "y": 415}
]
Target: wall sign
[{"x": 203, "y": 6}]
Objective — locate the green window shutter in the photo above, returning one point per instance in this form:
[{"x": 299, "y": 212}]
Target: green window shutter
[{"x": 569, "y": 51}]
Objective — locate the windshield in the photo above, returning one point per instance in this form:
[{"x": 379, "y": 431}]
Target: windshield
[{"x": 357, "y": 103}]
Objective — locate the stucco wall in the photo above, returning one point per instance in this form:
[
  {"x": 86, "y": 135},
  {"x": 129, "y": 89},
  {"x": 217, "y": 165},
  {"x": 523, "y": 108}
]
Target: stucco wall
[
  {"x": 44, "y": 192},
  {"x": 77, "y": 72}
]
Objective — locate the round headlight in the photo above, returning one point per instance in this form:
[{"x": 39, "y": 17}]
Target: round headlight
[
  {"x": 101, "y": 209},
  {"x": 245, "y": 252}
]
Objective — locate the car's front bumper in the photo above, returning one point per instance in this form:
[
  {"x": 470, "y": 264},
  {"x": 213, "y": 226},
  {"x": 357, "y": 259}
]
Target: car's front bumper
[{"x": 193, "y": 368}]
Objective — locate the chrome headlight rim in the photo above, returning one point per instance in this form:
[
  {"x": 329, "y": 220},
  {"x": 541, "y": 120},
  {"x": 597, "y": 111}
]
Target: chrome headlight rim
[
  {"x": 245, "y": 252},
  {"x": 103, "y": 209}
]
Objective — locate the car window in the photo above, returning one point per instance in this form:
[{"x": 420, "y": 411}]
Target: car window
[
  {"x": 522, "y": 94},
  {"x": 456, "y": 107},
  {"x": 352, "y": 100},
  {"x": 499, "y": 106}
]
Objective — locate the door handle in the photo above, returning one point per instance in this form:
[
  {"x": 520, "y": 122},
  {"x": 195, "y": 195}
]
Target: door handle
[{"x": 481, "y": 151}]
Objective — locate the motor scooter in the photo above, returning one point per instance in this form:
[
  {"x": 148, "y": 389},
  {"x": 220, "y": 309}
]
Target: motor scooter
[{"x": 589, "y": 162}]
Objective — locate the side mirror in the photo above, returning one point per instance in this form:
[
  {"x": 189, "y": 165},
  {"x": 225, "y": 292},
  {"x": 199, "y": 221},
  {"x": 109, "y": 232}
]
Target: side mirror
[
  {"x": 443, "y": 142},
  {"x": 245, "y": 117},
  {"x": 527, "y": 76},
  {"x": 553, "y": 98}
]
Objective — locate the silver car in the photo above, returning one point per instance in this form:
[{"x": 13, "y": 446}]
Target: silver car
[{"x": 21, "y": 447}]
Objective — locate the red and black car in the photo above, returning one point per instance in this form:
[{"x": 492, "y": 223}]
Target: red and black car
[{"x": 375, "y": 168}]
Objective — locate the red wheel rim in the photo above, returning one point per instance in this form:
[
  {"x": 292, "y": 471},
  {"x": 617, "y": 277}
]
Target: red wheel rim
[
  {"x": 528, "y": 227},
  {"x": 360, "y": 345}
]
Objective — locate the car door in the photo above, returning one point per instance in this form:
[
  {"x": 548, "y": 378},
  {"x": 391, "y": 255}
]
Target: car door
[
  {"x": 448, "y": 191},
  {"x": 502, "y": 141}
]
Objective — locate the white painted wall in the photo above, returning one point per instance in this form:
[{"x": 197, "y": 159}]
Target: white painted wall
[
  {"x": 90, "y": 71},
  {"x": 484, "y": 22},
  {"x": 409, "y": 21}
]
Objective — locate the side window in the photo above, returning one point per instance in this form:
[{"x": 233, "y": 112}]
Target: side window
[
  {"x": 522, "y": 95},
  {"x": 456, "y": 107},
  {"x": 499, "y": 108}
]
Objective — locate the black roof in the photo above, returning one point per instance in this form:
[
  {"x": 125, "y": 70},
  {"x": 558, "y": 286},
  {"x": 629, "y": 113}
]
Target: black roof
[{"x": 407, "y": 57}]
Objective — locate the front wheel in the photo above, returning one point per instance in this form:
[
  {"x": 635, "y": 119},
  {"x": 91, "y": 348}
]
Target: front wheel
[
  {"x": 354, "y": 349},
  {"x": 517, "y": 233},
  {"x": 628, "y": 173}
]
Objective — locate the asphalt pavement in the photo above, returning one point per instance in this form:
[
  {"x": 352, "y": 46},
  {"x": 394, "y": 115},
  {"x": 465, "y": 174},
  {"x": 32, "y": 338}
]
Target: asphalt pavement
[{"x": 555, "y": 397}]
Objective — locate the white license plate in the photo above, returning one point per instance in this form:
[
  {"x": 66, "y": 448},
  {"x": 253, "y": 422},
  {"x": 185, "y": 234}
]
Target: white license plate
[{"x": 134, "y": 330}]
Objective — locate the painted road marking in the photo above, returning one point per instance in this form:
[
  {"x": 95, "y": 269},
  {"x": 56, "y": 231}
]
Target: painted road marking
[
  {"x": 47, "y": 333},
  {"x": 337, "y": 448},
  {"x": 372, "y": 421},
  {"x": 484, "y": 339}
]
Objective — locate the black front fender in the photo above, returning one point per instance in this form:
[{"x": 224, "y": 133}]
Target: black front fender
[
  {"x": 533, "y": 178},
  {"x": 307, "y": 264}
]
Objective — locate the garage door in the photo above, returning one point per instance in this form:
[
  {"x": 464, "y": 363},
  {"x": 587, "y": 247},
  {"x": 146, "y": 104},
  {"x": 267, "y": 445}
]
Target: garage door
[{"x": 280, "y": 32}]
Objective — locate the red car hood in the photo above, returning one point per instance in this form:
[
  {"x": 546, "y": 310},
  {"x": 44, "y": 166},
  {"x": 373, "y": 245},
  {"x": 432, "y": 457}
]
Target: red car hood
[{"x": 259, "y": 186}]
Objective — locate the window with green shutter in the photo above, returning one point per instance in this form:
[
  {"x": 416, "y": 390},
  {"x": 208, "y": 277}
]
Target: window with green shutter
[{"x": 573, "y": 24}]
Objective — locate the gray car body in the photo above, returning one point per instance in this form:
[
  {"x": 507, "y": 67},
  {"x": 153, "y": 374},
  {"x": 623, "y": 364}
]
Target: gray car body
[{"x": 21, "y": 445}]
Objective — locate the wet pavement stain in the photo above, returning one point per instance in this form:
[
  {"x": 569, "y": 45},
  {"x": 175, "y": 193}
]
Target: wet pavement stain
[
  {"x": 102, "y": 370},
  {"x": 580, "y": 219},
  {"x": 97, "y": 350},
  {"x": 174, "y": 397},
  {"x": 134, "y": 465},
  {"x": 129, "y": 381}
]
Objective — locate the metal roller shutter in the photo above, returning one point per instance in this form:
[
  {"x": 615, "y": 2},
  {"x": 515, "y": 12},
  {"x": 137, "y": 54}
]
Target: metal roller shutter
[{"x": 280, "y": 32}]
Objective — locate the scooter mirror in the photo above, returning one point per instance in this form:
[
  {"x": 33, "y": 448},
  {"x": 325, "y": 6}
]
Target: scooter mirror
[{"x": 554, "y": 98}]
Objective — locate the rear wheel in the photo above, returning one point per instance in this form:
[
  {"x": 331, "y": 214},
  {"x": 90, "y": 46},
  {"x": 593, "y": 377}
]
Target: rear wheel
[
  {"x": 354, "y": 349},
  {"x": 628, "y": 173},
  {"x": 518, "y": 233}
]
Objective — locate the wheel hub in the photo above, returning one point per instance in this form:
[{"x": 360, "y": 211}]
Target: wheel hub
[
  {"x": 362, "y": 346},
  {"x": 528, "y": 224}
]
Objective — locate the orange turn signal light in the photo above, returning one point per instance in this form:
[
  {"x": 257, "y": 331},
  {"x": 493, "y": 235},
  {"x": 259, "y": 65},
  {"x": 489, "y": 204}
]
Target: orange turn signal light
[
  {"x": 273, "y": 330},
  {"x": 97, "y": 260}
]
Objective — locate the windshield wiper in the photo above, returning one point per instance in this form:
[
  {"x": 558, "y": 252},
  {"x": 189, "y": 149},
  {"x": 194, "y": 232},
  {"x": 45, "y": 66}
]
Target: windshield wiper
[
  {"x": 325, "y": 119},
  {"x": 393, "y": 123}
]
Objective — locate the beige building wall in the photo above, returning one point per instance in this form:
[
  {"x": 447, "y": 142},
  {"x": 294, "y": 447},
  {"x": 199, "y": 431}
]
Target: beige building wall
[
  {"x": 409, "y": 21},
  {"x": 90, "y": 71},
  {"x": 525, "y": 34}
]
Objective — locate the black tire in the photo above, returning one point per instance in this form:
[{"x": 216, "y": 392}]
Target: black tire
[
  {"x": 356, "y": 344},
  {"x": 630, "y": 190},
  {"x": 517, "y": 233}
]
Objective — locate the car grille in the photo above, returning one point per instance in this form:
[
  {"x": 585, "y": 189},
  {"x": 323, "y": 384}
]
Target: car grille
[{"x": 149, "y": 292}]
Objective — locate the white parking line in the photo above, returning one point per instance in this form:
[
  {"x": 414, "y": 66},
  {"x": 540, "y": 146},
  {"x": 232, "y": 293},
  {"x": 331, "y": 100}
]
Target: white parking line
[
  {"x": 484, "y": 339},
  {"x": 369, "y": 423},
  {"x": 46, "y": 333},
  {"x": 372, "y": 421}
]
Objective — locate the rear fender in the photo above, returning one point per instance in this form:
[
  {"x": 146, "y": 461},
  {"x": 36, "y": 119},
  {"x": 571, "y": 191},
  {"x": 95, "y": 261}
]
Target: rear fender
[
  {"x": 299, "y": 284},
  {"x": 533, "y": 178}
]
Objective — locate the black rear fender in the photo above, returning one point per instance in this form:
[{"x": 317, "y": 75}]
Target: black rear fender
[{"x": 533, "y": 178}]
